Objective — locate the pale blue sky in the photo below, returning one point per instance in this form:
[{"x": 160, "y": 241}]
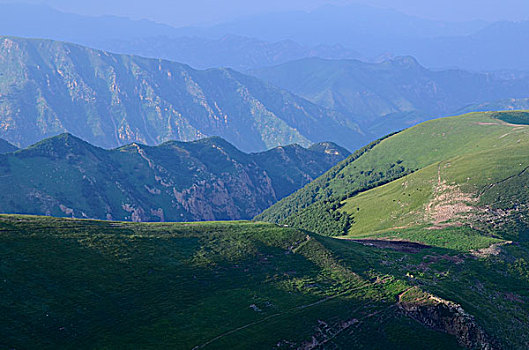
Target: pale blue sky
[{"x": 186, "y": 12}]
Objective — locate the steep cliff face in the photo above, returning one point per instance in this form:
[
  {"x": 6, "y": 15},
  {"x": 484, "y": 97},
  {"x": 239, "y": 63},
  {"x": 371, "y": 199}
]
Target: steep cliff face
[
  {"x": 447, "y": 317},
  {"x": 208, "y": 179}
]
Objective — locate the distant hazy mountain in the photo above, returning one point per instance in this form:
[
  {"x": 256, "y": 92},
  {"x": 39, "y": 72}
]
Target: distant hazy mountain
[
  {"x": 392, "y": 95},
  {"x": 230, "y": 51},
  {"x": 327, "y": 32},
  {"x": 40, "y": 21},
  {"x": 510, "y": 104},
  {"x": 203, "y": 180},
  {"x": 48, "y": 87},
  {"x": 6, "y": 147},
  {"x": 498, "y": 46},
  {"x": 365, "y": 27},
  {"x": 373, "y": 31},
  {"x": 150, "y": 39}
]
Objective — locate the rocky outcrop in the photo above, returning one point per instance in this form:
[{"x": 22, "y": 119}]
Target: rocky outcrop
[{"x": 448, "y": 317}]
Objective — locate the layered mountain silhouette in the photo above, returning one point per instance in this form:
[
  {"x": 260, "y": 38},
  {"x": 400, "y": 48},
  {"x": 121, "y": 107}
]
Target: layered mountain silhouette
[
  {"x": 396, "y": 93},
  {"x": 208, "y": 179}
]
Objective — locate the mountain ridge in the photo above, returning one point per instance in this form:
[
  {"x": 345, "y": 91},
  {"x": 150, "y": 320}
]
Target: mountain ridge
[
  {"x": 51, "y": 87},
  {"x": 175, "y": 181},
  {"x": 393, "y": 94}
]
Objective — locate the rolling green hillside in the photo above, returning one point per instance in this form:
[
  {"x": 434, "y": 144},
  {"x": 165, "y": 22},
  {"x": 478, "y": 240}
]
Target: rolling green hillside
[
  {"x": 49, "y": 87},
  {"x": 6, "y": 147},
  {"x": 394, "y": 94},
  {"x": 207, "y": 179},
  {"x": 491, "y": 143},
  {"x": 238, "y": 285}
]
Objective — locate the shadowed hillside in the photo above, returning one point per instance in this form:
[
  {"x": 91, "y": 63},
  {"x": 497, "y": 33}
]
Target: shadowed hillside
[
  {"x": 176, "y": 181},
  {"x": 241, "y": 285}
]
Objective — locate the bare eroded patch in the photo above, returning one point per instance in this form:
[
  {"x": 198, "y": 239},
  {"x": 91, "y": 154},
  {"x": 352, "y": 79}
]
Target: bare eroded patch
[{"x": 449, "y": 204}]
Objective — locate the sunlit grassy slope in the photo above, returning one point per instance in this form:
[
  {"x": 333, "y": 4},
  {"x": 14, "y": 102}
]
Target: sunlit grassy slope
[
  {"x": 466, "y": 171},
  {"x": 450, "y": 192}
]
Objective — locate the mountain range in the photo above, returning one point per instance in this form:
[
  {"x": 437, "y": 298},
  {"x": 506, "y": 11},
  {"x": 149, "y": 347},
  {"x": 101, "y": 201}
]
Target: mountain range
[
  {"x": 394, "y": 94},
  {"x": 471, "y": 45},
  {"x": 351, "y": 31},
  {"x": 237, "y": 52},
  {"x": 50, "y": 87},
  {"x": 41, "y": 21},
  {"x": 207, "y": 179},
  {"x": 121, "y": 178}
]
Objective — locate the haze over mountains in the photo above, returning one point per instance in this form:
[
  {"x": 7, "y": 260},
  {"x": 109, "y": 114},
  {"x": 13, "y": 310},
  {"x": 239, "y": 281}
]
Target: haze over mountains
[
  {"x": 418, "y": 239},
  {"x": 394, "y": 94},
  {"x": 344, "y": 31}
]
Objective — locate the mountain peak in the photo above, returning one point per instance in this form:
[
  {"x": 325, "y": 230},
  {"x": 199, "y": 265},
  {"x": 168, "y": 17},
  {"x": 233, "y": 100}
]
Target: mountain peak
[{"x": 60, "y": 146}]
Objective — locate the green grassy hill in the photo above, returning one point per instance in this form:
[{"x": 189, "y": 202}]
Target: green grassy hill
[
  {"x": 110, "y": 100},
  {"x": 446, "y": 157},
  {"x": 89, "y": 284},
  {"x": 208, "y": 179}
]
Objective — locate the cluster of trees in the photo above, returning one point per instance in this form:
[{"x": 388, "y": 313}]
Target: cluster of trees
[
  {"x": 320, "y": 189},
  {"x": 326, "y": 218},
  {"x": 323, "y": 218}
]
